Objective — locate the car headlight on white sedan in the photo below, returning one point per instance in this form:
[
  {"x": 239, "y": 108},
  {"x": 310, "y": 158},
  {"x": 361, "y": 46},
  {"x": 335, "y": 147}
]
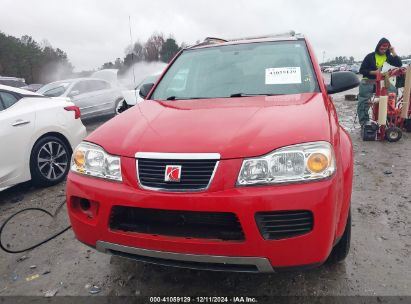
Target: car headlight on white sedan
[
  {"x": 92, "y": 160},
  {"x": 296, "y": 163}
]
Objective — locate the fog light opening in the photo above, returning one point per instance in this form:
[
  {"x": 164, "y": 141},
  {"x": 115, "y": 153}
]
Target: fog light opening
[{"x": 85, "y": 204}]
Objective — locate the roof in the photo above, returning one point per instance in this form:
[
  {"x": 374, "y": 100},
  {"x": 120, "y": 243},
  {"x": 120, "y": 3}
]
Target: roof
[{"x": 213, "y": 41}]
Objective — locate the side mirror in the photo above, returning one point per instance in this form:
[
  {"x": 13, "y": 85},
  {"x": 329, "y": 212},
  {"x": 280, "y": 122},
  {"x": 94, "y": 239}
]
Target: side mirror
[
  {"x": 74, "y": 93},
  {"x": 342, "y": 81},
  {"x": 145, "y": 89}
]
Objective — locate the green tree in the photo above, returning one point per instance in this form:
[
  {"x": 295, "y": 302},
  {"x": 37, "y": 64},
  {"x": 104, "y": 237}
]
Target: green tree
[
  {"x": 25, "y": 58},
  {"x": 168, "y": 50},
  {"x": 133, "y": 55},
  {"x": 107, "y": 65},
  {"x": 118, "y": 63}
]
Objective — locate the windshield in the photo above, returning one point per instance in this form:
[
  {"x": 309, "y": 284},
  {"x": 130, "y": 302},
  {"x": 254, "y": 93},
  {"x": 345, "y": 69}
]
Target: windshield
[
  {"x": 54, "y": 89},
  {"x": 264, "y": 68}
]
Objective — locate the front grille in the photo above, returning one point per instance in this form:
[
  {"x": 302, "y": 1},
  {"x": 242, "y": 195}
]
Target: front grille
[
  {"x": 195, "y": 174},
  {"x": 275, "y": 225},
  {"x": 190, "y": 224}
]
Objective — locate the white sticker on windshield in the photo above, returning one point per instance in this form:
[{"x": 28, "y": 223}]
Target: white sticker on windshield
[{"x": 285, "y": 75}]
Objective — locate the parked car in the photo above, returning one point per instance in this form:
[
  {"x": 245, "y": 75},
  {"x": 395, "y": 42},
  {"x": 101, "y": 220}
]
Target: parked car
[
  {"x": 324, "y": 67},
  {"x": 109, "y": 75},
  {"x": 12, "y": 81},
  {"x": 235, "y": 161},
  {"x": 335, "y": 68},
  {"x": 37, "y": 136},
  {"x": 132, "y": 97},
  {"x": 343, "y": 67},
  {"x": 355, "y": 68},
  {"x": 331, "y": 69},
  {"x": 406, "y": 62},
  {"x": 32, "y": 87},
  {"x": 95, "y": 97}
]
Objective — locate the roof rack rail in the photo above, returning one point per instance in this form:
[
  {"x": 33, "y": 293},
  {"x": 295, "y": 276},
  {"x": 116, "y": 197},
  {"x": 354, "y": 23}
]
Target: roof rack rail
[
  {"x": 208, "y": 41},
  {"x": 215, "y": 40},
  {"x": 285, "y": 34}
]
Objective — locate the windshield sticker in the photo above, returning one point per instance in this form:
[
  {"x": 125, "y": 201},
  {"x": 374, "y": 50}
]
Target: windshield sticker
[{"x": 285, "y": 75}]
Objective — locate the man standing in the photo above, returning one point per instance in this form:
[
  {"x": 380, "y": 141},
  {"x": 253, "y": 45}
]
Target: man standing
[{"x": 370, "y": 67}]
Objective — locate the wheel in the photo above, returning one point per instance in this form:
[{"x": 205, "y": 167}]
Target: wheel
[
  {"x": 49, "y": 161},
  {"x": 340, "y": 251},
  {"x": 121, "y": 106},
  {"x": 393, "y": 134}
]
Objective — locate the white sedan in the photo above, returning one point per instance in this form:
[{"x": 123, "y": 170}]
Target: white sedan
[
  {"x": 132, "y": 97},
  {"x": 37, "y": 137}
]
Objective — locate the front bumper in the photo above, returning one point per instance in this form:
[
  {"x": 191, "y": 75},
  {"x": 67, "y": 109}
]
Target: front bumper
[{"x": 312, "y": 248}]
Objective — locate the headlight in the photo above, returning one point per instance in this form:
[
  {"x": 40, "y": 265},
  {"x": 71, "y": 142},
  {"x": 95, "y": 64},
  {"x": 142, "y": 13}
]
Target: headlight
[
  {"x": 297, "y": 163},
  {"x": 90, "y": 159}
]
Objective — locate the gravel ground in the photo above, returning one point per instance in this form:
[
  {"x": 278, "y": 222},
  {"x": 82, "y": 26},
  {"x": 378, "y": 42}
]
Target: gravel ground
[{"x": 378, "y": 264}]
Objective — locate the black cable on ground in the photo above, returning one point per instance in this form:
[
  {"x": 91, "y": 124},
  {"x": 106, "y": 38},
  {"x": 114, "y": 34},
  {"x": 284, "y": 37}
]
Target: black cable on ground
[{"x": 36, "y": 245}]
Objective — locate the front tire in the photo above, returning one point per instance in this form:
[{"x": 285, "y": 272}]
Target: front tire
[
  {"x": 49, "y": 161},
  {"x": 120, "y": 106},
  {"x": 341, "y": 250}
]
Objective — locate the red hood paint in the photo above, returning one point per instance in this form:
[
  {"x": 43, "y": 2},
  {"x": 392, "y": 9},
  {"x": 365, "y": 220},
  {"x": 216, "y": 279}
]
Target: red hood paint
[{"x": 234, "y": 127}]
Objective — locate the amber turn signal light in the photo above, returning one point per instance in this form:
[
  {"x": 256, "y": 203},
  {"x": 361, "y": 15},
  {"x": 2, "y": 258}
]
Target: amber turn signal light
[
  {"x": 317, "y": 162},
  {"x": 79, "y": 158}
]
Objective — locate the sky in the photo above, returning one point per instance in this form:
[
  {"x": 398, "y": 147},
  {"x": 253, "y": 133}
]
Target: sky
[{"x": 93, "y": 32}]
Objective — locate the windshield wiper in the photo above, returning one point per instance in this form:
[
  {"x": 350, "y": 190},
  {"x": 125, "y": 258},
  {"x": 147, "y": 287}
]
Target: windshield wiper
[
  {"x": 184, "y": 98},
  {"x": 232, "y": 95},
  {"x": 245, "y": 94}
]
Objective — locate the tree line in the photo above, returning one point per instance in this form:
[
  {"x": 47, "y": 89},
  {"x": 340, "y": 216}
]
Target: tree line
[
  {"x": 35, "y": 62},
  {"x": 340, "y": 60},
  {"x": 41, "y": 63},
  {"x": 156, "y": 48}
]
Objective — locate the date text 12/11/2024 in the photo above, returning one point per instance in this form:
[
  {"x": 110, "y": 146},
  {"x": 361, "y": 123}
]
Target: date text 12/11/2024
[{"x": 203, "y": 299}]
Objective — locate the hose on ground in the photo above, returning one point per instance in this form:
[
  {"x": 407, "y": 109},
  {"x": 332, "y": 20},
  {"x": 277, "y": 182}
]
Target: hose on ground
[{"x": 4, "y": 248}]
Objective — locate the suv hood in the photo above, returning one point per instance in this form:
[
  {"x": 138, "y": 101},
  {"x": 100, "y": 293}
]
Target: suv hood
[{"x": 234, "y": 127}]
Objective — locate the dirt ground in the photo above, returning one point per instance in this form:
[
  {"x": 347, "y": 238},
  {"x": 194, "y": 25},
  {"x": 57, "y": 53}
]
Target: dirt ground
[{"x": 378, "y": 264}]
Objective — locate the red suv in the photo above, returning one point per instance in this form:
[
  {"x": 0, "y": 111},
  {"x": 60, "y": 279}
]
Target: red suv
[{"x": 235, "y": 161}]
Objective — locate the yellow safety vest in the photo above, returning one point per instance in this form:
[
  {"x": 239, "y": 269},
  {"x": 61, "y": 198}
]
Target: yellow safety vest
[{"x": 379, "y": 60}]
